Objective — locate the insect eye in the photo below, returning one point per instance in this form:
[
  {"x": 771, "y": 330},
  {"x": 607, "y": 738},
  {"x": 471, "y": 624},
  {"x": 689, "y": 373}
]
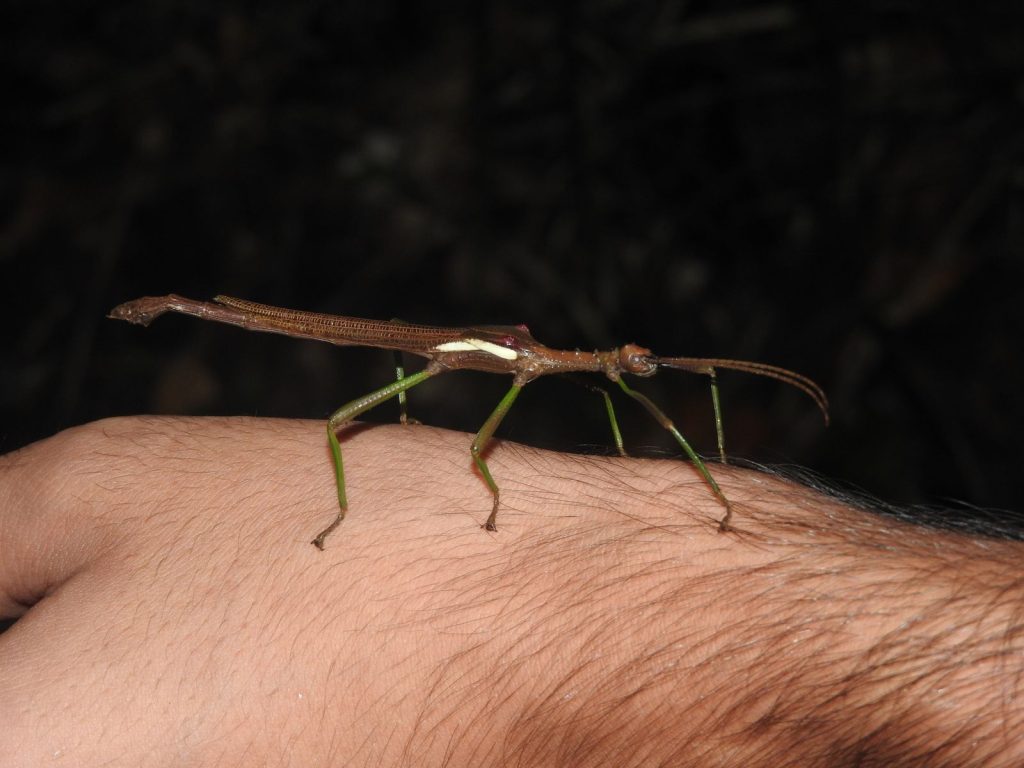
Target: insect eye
[{"x": 634, "y": 359}]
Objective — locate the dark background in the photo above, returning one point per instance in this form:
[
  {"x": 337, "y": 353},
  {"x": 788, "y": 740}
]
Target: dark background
[{"x": 835, "y": 190}]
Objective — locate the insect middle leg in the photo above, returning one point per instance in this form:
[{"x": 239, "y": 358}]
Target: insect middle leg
[
  {"x": 480, "y": 442},
  {"x": 608, "y": 406},
  {"x": 610, "y": 409}
]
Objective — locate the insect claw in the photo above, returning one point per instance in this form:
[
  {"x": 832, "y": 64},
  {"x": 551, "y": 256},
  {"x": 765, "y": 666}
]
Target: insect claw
[{"x": 723, "y": 524}]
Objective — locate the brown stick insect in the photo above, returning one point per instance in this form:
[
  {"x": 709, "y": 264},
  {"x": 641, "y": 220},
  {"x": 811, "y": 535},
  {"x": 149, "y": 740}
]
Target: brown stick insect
[{"x": 489, "y": 348}]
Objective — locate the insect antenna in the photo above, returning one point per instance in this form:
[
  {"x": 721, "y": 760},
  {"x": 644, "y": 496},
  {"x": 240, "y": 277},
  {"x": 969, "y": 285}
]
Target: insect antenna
[{"x": 707, "y": 366}]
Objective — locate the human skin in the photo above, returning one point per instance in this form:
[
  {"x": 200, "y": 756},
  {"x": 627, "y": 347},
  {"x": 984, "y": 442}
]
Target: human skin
[{"x": 173, "y": 612}]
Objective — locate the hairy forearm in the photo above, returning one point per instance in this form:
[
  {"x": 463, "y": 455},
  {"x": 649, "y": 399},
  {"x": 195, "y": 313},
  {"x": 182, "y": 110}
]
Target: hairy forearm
[
  {"x": 607, "y": 622},
  {"x": 813, "y": 635},
  {"x": 816, "y": 635}
]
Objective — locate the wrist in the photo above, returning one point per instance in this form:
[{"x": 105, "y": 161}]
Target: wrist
[{"x": 814, "y": 630}]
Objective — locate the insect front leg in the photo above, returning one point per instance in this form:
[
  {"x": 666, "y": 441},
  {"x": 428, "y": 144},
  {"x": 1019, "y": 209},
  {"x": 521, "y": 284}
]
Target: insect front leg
[
  {"x": 719, "y": 432},
  {"x": 666, "y": 422}
]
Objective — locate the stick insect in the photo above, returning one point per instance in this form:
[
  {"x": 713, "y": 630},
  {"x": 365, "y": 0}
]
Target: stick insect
[{"x": 489, "y": 348}]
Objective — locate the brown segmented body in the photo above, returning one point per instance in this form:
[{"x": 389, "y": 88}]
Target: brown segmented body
[
  {"x": 494, "y": 349},
  {"x": 346, "y": 331}
]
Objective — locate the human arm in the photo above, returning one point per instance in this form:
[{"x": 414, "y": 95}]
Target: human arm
[{"x": 180, "y": 616}]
